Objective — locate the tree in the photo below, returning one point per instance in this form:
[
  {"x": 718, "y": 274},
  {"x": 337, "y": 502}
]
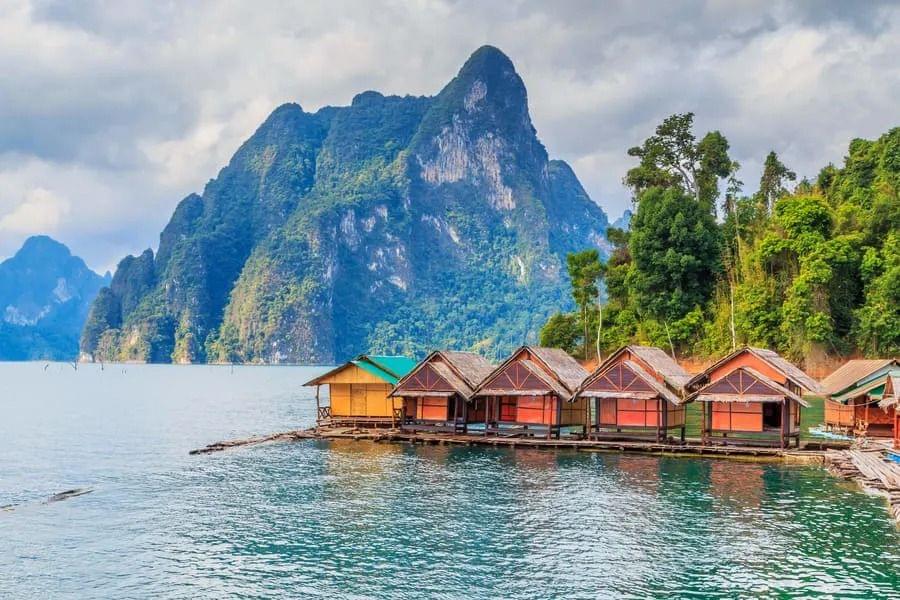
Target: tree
[
  {"x": 585, "y": 271},
  {"x": 878, "y": 320},
  {"x": 771, "y": 184},
  {"x": 673, "y": 157},
  {"x": 674, "y": 244},
  {"x": 562, "y": 330}
]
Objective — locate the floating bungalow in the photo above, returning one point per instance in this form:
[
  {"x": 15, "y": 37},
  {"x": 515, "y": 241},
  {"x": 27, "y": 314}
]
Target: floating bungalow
[
  {"x": 637, "y": 392},
  {"x": 359, "y": 391},
  {"x": 436, "y": 394},
  {"x": 890, "y": 402},
  {"x": 528, "y": 394},
  {"x": 852, "y": 395},
  {"x": 752, "y": 395}
]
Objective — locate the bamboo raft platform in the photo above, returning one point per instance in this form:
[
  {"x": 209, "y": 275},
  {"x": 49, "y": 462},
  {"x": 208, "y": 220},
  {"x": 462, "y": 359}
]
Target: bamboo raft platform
[
  {"x": 871, "y": 470},
  {"x": 810, "y": 452}
]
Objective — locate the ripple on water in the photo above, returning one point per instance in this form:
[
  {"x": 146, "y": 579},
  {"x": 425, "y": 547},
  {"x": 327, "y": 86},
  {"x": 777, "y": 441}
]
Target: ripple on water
[{"x": 362, "y": 520}]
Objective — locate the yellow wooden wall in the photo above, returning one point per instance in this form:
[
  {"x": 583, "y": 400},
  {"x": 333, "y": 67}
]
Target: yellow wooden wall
[
  {"x": 362, "y": 400},
  {"x": 357, "y": 393}
]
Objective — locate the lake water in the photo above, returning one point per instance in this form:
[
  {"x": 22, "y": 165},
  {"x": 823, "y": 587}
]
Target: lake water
[{"x": 364, "y": 520}]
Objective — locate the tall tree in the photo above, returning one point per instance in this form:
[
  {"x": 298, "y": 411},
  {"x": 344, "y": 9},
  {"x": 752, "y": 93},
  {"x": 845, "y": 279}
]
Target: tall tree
[
  {"x": 674, "y": 244},
  {"x": 772, "y": 182},
  {"x": 673, "y": 157},
  {"x": 585, "y": 271}
]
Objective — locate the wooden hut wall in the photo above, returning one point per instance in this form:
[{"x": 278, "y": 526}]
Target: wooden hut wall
[
  {"x": 575, "y": 413},
  {"x": 418, "y": 403},
  {"x": 794, "y": 425},
  {"x": 632, "y": 412},
  {"x": 738, "y": 416},
  {"x": 531, "y": 409},
  {"x": 433, "y": 408},
  {"x": 538, "y": 410},
  {"x": 361, "y": 400},
  {"x": 839, "y": 414},
  {"x": 864, "y": 409},
  {"x": 748, "y": 359}
]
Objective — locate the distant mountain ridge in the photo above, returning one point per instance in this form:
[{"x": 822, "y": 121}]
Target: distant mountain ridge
[
  {"x": 393, "y": 225},
  {"x": 45, "y": 295}
]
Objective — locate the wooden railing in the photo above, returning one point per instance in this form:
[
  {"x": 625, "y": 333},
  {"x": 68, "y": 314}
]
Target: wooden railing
[{"x": 324, "y": 413}]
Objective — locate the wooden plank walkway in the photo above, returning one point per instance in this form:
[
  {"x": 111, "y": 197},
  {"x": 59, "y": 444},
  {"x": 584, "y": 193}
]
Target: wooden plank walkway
[
  {"x": 691, "y": 447},
  {"x": 872, "y": 470}
]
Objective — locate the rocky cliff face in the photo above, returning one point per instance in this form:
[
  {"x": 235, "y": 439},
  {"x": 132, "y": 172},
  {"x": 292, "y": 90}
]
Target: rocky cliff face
[
  {"x": 391, "y": 225},
  {"x": 45, "y": 293}
]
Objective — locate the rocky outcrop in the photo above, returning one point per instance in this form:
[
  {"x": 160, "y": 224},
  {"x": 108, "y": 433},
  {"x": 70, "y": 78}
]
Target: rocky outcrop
[{"x": 395, "y": 224}]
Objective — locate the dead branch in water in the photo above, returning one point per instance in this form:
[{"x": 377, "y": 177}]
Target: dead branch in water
[{"x": 286, "y": 436}]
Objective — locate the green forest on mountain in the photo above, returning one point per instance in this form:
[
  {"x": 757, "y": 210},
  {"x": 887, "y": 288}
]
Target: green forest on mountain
[{"x": 808, "y": 268}]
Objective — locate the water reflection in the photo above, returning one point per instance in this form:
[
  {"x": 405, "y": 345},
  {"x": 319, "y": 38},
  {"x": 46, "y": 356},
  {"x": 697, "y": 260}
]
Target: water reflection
[{"x": 361, "y": 519}]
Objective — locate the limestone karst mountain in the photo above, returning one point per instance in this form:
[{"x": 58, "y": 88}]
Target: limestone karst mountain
[{"x": 395, "y": 224}]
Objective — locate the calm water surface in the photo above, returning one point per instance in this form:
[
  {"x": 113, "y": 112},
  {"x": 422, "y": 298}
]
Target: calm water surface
[{"x": 362, "y": 520}]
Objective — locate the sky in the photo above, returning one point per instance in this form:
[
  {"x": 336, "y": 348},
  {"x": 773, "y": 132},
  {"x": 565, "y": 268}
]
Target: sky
[{"x": 111, "y": 112}]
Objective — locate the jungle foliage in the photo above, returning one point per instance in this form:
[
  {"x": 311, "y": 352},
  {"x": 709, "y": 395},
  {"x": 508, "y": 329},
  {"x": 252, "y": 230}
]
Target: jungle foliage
[{"x": 810, "y": 269}]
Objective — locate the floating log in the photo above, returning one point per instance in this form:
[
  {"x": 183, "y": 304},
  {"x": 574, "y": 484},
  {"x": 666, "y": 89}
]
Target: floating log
[
  {"x": 67, "y": 494},
  {"x": 285, "y": 436}
]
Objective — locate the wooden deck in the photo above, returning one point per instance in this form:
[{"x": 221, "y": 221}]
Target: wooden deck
[
  {"x": 869, "y": 467},
  {"x": 812, "y": 452},
  {"x": 872, "y": 470}
]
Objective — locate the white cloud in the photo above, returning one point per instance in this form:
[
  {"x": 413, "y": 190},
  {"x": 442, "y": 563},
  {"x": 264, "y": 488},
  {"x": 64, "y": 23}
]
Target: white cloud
[
  {"x": 39, "y": 211},
  {"x": 120, "y": 110}
]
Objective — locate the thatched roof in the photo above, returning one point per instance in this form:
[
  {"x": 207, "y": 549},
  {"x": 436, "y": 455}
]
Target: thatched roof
[
  {"x": 556, "y": 368},
  {"x": 663, "y": 390},
  {"x": 781, "y": 391},
  {"x": 567, "y": 370},
  {"x": 655, "y": 359},
  {"x": 660, "y": 362},
  {"x": 891, "y": 395},
  {"x": 472, "y": 367},
  {"x": 775, "y": 360},
  {"x": 462, "y": 370},
  {"x": 793, "y": 372},
  {"x": 852, "y": 373}
]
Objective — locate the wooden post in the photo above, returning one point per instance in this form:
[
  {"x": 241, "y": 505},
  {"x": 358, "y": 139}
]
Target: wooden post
[
  {"x": 785, "y": 417},
  {"x": 558, "y": 417},
  {"x": 543, "y": 413},
  {"x": 317, "y": 404},
  {"x": 704, "y": 425},
  {"x": 587, "y": 417},
  {"x": 662, "y": 419},
  {"x": 465, "y": 415}
]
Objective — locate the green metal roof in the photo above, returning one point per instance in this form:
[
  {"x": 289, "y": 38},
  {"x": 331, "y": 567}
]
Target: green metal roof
[
  {"x": 388, "y": 368},
  {"x": 398, "y": 365}
]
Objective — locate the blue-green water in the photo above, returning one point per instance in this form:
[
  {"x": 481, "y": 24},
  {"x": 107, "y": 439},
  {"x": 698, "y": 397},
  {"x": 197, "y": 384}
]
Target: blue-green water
[{"x": 362, "y": 520}]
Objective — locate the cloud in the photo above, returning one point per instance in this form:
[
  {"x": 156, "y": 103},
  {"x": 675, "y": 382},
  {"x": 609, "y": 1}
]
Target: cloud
[
  {"x": 119, "y": 110},
  {"x": 39, "y": 210}
]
